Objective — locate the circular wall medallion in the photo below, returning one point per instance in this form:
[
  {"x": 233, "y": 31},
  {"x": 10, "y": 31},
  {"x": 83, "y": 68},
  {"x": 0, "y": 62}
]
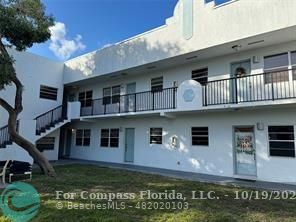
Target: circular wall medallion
[{"x": 188, "y": 95}]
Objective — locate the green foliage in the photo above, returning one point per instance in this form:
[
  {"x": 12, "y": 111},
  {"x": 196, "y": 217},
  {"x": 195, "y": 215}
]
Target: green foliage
[
  {"x": 22, "y": 23},
  {"x": 6, "y": 70}
]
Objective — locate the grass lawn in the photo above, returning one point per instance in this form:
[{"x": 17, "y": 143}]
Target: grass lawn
[{"x": 78, "y": 178}]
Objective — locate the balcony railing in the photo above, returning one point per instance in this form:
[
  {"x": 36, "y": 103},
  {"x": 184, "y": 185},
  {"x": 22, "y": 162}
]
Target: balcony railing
[
  {"x": 274, "y": 85},
  {"x": 135, "y": 102}
]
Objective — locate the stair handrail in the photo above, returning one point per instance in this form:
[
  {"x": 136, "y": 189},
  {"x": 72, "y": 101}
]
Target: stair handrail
[{"x": 43, "y": 114}]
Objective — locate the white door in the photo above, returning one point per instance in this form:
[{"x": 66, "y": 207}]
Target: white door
[
  {"x": 245, "y": 151},
  {"x": 129, "y": 144},
  {"x": 241, "y": 83},
  {"x": 130, "y": 98}
]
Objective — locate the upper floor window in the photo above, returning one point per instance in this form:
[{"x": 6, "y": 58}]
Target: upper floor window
[
  {"x": 45, "y": 143},
  {"x": 155, "y": 135},
  {"x": 281, "y": 141},
  {"x": 85, "y": 98},
  {"x": 220, "y": 2},
  {"x": 83, "y": 137},
  {"x": 293, "y": 61},
  {"x": 157, "y": 84},
  {"x": 47, "y": 92},
  {"x": 111, "y": 95},
  {"x": 200, "y": 75},
  {"x": 109, "y": 137},
  {"x": 276, "y": 68}
]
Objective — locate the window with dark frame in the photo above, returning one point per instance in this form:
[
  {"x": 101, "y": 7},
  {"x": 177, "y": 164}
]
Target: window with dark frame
[
  {"x": 45, "y": 143},
  {"x": 114, "y": 137},
  {"x": 200, "y": 136},
  {"x": 47, "y": 92},
  {"x": 104, "y": 137},
  {"x": 155, "y": 135},
  {"x": 200, "y": 75},
  {"x": 111, "y": 95},
  {"x": 281, "y": 141},
  {"x": 83, "y": 137},
  {"x": 85, "y": 98},
  {"x": 110, "y": 138},
  {"x": 293, "y": 63},
  {"x": 157, "y": 84},
  {"x": 276, "y": 68}
]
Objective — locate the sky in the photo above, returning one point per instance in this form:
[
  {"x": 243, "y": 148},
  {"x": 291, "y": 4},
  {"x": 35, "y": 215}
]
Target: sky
[{"x": 83, "y": 26}]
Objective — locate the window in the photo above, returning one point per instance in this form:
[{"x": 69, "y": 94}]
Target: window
[
  {"x": 155, "y": 135},
  {"x": 85, "y": 98},
  {"x": 114, "y": 137},
  {"x": 220, "y": 2},
  {"x": 83, "y": 137},
  {"x": 276, "y": 68},
  {"x": 47, "y": 92},
  {"x": 281, "y": 141},
  {"x": 109, "y": 137},
  {"x": 111, "y": 95},
  {"x": 200, "y": 75},
  {"x": 200, "y": 136},
  {"x": 45, "y": 143},
  {"x": 157, "y": 84},
  {"x": 293, "y": 63}
]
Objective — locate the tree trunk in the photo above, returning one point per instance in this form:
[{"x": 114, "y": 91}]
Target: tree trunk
[
  {"x": 13, "y": 112},
  {"x": 43, "y": 163}
]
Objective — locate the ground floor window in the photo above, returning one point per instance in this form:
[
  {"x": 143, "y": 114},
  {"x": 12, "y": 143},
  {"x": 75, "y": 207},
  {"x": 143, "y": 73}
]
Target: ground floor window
[
  {"x": 110, "y": 138},
  {"x": 83, "y": 137},
  {"x": 45, "y": 143},
  {"x": 281, "y": 141},
  {"x": 200, "y": 136},
  {"x": 155, "y": 135}
]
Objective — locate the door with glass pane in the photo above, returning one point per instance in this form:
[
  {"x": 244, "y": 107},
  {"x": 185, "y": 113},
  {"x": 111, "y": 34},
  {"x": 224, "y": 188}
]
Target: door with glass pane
[
  {"x": 245, "y": 151},
  {"x": 241, "y": 82},
  {"x": 130, "y": 97}
]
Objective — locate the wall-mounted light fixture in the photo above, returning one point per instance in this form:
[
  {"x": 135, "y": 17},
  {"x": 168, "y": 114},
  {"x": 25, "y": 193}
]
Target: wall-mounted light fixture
[
  {"x": 236, "y": 47},
  {"x": 260, "y": 126}
]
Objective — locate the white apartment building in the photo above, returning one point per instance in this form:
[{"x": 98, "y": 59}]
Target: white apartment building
[{"x": 212, "y": 91}]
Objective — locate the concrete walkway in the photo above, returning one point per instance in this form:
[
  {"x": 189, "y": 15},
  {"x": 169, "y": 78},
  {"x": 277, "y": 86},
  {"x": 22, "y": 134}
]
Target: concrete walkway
[{"x": 261, "y": 185}]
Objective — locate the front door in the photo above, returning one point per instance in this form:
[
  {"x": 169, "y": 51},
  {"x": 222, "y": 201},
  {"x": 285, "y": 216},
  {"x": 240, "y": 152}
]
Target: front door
[
  {"x": 241, "y": 83},
  {"x": 130, "y": 98},
  {"x": 245, "y": 152},
  {"x": 68, "y": 143},
  {"x": 129, "y": 144}
]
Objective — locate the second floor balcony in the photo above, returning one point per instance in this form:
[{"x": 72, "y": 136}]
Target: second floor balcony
[
  {"x": 268, "y": 86},
  {"x": 277, "y": 85},
  {"x": 136, "y": 102}
]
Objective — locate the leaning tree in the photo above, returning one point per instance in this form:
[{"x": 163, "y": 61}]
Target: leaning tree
[{"x": 22, "y": 23}]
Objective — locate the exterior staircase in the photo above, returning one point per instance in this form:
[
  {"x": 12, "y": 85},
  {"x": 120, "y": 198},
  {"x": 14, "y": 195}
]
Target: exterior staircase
[
  {"x": 49, "y": 121},
  {"x": 45, "y": 124},
  {"x": 4, "y": 137}
]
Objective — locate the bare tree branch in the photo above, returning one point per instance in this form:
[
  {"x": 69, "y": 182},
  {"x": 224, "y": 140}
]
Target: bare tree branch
[{"x": 6, "y": 106}]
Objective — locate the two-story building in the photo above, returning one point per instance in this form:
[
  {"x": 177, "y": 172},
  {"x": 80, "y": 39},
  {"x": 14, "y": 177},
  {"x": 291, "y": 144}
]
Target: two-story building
[{"x": 212, "y": 91}]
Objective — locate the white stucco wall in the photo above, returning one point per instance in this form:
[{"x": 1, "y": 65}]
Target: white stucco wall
[
  {"x": 216, "y": 159},
  {"x": 34, "y": 71},
  {"x": 212, "y": 26}
]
